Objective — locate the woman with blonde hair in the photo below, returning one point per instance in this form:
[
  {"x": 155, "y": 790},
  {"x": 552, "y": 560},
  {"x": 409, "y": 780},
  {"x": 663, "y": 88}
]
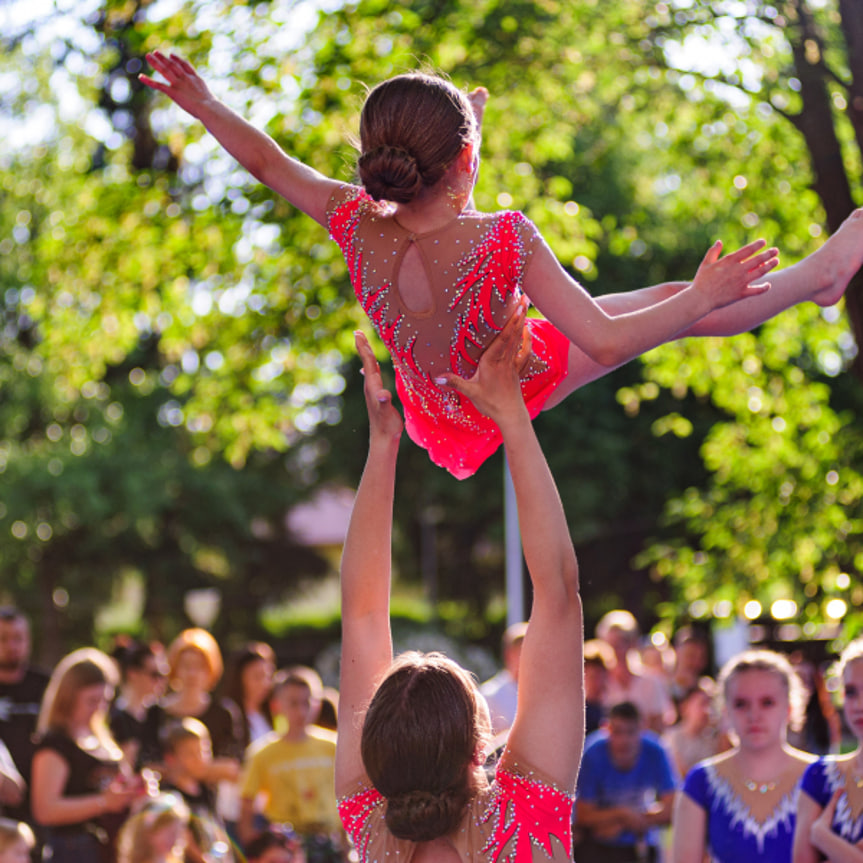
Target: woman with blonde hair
[
  {"x": 156, "y": 833},
  {"x": 742, "y": 804},
  {"x": 829, "y": 822},
  {"x": 81, "y": 786}
]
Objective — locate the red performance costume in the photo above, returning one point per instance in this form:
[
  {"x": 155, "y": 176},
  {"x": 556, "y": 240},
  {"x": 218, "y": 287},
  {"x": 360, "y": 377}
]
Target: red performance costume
[{"x": 475, "y": 266}]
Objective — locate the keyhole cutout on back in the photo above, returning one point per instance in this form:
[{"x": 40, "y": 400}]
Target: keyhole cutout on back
[{"x": 413, "y": 282}]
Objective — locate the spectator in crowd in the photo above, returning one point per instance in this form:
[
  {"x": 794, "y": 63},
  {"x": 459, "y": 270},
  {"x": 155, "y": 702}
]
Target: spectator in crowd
[
  {"x": 81, "y": 785},
  {"x": 156, "y": 833},
  {"x": 294, "y": 772},
  {"x": 248, "y": 685},
  {"x": 741, "y": 805},
  {"x": 657, "y": 658},
  {"x": 16, "y": 841},
  {"x": 21, "y": 691},
  {"x": 822, "y": 728},
  {"x": 696, "y": 735},
  {"x": 275, "y": 845},
  {"x": 247, "y": 688},
  {"x": 691, "y": 656},
  {"x": 624, "y": 793},
  {"x": 829, "y": 822},
  {"x": 626, "y": 681},
  {"x": 142, "y": 678},
  {"x": 501, "y": 691},
  {"x": 598, "y": 657},
  {"x": 187, "y": 756},
  {"x": 328, "y": 717},
  {"x": 194, "y": 668}
]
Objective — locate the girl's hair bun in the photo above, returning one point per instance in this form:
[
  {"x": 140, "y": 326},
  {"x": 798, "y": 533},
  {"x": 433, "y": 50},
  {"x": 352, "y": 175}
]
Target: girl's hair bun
[
  {"x": 390, "y": 174},
  {"x": 420, "y": 816}
]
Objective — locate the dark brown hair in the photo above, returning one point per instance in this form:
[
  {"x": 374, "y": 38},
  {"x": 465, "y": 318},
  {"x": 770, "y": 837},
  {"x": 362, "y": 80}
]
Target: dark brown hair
[
  {"x": 420, "y": 734},
  {"x": 412, "y": 128}
]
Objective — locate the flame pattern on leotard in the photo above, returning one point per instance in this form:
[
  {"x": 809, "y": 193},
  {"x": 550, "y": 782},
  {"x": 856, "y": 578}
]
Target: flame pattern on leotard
[{"x": 476, "y": 266}]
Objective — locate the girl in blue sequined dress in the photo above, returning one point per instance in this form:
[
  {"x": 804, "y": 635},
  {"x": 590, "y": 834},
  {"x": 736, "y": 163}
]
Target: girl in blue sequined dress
[
  {"x": 741, "y": 805},
  {"x": 830, "y": 811}
]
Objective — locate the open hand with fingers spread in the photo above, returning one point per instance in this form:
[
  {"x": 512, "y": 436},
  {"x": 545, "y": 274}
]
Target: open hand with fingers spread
[
  {"x": 495, "y": 389},
  {"x": 182, "y": 83},
  {"x": 724, "y": 280}
]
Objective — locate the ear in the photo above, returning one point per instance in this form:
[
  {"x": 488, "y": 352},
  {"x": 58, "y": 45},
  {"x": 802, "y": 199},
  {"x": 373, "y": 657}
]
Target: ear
[
  {"x": 480, "y": 756},
  {"x": 466, "y": 159}
]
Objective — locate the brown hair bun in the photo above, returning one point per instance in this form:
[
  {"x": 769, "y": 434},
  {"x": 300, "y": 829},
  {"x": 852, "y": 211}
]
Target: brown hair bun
[
  {"x": 390, "y": 174},
  {"x": 420, "y": 816}
]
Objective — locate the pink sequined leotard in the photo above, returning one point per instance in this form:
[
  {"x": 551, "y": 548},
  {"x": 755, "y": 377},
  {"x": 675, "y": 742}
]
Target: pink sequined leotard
[
  {"x": 517, "y": 813},
  {"x": 475, "y": 266}
]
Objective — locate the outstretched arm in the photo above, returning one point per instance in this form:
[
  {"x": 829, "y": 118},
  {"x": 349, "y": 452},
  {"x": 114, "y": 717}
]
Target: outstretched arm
[
  {"x": 549, "y": 724},
  {"x": 365, "y": 574},
  {"x": 614, "y": 333},
  {"x": 256, "y": 151}
]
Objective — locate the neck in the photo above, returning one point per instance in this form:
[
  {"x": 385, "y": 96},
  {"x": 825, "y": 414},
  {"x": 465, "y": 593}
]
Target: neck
[
  {"x": 81, "y": 732},
  {"x": 296, "y": 735},
  {"x": 133, "y": 701},
  {"x": 432, "y": 209},
  {"x": 192, "y": 700},
  {"x": 762, "y": 764}
]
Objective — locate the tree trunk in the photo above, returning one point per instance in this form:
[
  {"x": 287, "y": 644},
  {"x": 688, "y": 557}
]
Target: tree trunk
[{"x": 816, "y": 123}]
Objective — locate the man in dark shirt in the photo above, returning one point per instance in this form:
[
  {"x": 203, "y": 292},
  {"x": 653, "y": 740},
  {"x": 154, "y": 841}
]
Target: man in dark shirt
[{"x": 21, "y": 690}]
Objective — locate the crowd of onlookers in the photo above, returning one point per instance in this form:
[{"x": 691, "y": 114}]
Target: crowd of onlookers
[
  {"x": 681, "y": 766},
  {"x": 162, "y": 755}
]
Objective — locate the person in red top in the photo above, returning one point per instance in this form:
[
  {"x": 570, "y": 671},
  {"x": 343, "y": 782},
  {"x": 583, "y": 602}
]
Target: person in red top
[
  {"x": 413, "y": 732},
  {"x": 438, "y": 278}
]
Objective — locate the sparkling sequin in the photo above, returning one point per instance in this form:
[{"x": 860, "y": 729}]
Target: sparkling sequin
[{"x": 476, "y": 266}]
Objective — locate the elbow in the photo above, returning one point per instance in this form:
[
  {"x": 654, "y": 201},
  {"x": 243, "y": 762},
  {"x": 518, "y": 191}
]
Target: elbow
[
  {"x": 609, "y": 354},
  {"x": 605, "y": 350},
  {"x": 571, "y": 597},
  {"x": 41, "y": 811}
]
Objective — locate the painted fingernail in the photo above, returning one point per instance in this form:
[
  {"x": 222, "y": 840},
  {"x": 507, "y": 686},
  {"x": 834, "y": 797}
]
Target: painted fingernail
[{"x": 440, "y": 381}]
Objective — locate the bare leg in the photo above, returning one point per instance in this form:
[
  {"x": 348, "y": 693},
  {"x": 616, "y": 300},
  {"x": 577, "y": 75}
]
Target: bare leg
[{"x": 819, "y": 278}]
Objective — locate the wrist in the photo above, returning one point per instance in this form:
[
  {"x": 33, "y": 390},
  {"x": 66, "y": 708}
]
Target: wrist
[
  {"x": 384, "y": 442},
  {"x": 701, "y": 299}
]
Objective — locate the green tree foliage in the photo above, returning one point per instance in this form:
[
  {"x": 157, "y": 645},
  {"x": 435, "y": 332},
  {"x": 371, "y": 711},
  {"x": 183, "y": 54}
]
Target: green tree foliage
[
  {"x": 130, "y": 241},
  {"x": 780, "y": 515}
]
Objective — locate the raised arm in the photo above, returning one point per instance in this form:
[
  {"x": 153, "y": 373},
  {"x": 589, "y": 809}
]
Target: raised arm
[
  {"x": 256, "y": 151},
  {"x": 549, "y": 725},
  {"x": 365, "y": 574},
  {"x": 611, "y": 336}
]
